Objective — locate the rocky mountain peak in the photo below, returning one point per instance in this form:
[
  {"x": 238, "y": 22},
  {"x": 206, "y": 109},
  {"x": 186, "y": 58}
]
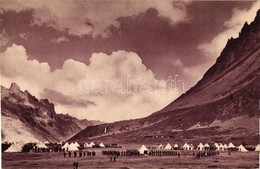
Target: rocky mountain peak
[
  {"x": 25, "y": 115},
  {"x": 15, "y": 88}
]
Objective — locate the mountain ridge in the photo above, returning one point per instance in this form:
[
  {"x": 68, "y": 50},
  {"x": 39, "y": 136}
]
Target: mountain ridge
[
  {"x": 222, "y": 106},
  {"x": 26, "y": 118}
]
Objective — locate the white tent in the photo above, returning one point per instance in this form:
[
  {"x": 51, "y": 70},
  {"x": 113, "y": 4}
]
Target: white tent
[
  {"x": 168, "y": 147},
  {"x": 191, "y": 146},
  {"x": 187, "y": 146},
  {"x": 200, "y": 147},
  {"x": 41, "y": 145},
  {"x": 231, "y": 145},
  {"x": 66, "y": 145},
  {"x": 160, "y": 146},
  {"x": 242, "y": 148},
  {"x": 257, "y": 148},
  {"x": 175, "y": 146},
  {"x": 206, "y": 145},
  {"x": 101, "y": 145},
  {"x": 86, "y": 145},
  {"x": 77, "y": 144},
  {"x": 92, "y": 144},
  {"x": 216, "y": 145},
  {"x": 16, "y": 147},
  {"x": 225, "y": 147},
  {"x": 73, "y": 147},
  {"x": 220, "y": 147},
  {"x": 143, "y": 149}
]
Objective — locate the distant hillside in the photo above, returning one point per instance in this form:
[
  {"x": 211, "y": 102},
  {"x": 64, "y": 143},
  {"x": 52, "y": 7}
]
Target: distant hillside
[
  {"x": 222, "y": 106},
  {"x": 25, "y": 118}
]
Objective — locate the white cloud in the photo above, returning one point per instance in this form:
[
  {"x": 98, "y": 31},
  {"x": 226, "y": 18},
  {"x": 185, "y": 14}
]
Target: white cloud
[
  {"x": 105, "y": 83},
  {"x": 59, "y": 40},
  {"x": 94, "y": 17},
  {"x": 177, "y": 63},
  {"x": 3, "y": 39}
]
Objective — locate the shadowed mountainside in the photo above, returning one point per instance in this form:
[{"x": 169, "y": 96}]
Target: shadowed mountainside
[
  {"x": 25, "y": 118},
  {"x": 222, "y": 106}
]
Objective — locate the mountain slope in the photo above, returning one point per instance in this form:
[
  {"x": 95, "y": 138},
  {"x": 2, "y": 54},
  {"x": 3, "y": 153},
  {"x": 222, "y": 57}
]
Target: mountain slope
[
  {"x": 25, "y": 118},
  {"x": 222, "y": 106}
]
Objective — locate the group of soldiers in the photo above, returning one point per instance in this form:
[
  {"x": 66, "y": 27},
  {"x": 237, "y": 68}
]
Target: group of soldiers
[
  {"x": 164, "y": 153},
  {"x": 115, "y": 154},
  {"x": 75, "y": 165},
  {"x": 206, "y": 153},
  {"x": 80, "y": 153},
  {"x": 121, "y": 153}
]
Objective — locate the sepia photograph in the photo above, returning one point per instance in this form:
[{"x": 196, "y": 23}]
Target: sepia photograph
[{"x": 130, "y": 84}]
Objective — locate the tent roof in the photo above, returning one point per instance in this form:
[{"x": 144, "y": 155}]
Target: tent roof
[
  {"x": 231, "y": 145},
  {"x": 65, "y": 145},
  {"x": 186, "y": 145},
  {"x": 257, "y": 148},
  {"x": 242, "y": 148},
  {"x": 168, "y": 146},
  {"x": 200, "y": 145},
  {"x": 206, "y": 145},
  {"x": 73, "y": 147},
  {"x": 14, "y": 148},
  {"x": 77, "y": 144},
  {"x": 175, "y": 146},
  {"x": 88, "y": 145},
  {"x": 41, "y": 145},
  {"x": 92, "y": 143},
  {"x": 101, "y": 145},
  {"x": 160, "y": 146},
  {"x": 142, "y": 149}
]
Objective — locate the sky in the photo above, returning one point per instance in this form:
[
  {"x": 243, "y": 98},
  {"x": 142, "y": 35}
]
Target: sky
[{"x": 114, "y": 60}]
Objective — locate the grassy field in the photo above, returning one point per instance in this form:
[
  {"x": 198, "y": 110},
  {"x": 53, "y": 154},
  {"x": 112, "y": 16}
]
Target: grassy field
[{"x": 57, "y": 161}]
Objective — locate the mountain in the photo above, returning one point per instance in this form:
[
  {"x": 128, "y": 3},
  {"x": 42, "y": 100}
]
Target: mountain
[
  {"x": 222, "y": 106},
  {"x": 25, "y": 118}
]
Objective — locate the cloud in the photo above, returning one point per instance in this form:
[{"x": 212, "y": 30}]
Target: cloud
[
  {"x": 177, "y": 63},
  {"x": 81, "y": 17},
  {"x": 60, "y": 98},
  {"x": 59, "y": 40},
  {"x": 111, "y": 87},
  {"x": 23, "y": 36},
  {"x": 213, "y": 48},
  {"x": 233, "y": 26},
  {"x": 3, "y": 39}
]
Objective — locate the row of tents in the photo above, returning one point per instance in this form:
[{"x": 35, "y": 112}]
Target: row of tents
[
  {"x": 200, "y": 147},
  {"x": 75, "y": 146},
  {"x": 18, "y": 146},
  {"x": 92, "y": 144}
]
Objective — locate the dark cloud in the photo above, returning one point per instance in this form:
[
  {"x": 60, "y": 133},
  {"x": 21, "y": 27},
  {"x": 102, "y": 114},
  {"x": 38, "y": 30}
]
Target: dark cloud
[
  {"x": 150, "y": 40},
  {"x": 60, "y": 98},
  {"x": 154, "y": 38}
]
